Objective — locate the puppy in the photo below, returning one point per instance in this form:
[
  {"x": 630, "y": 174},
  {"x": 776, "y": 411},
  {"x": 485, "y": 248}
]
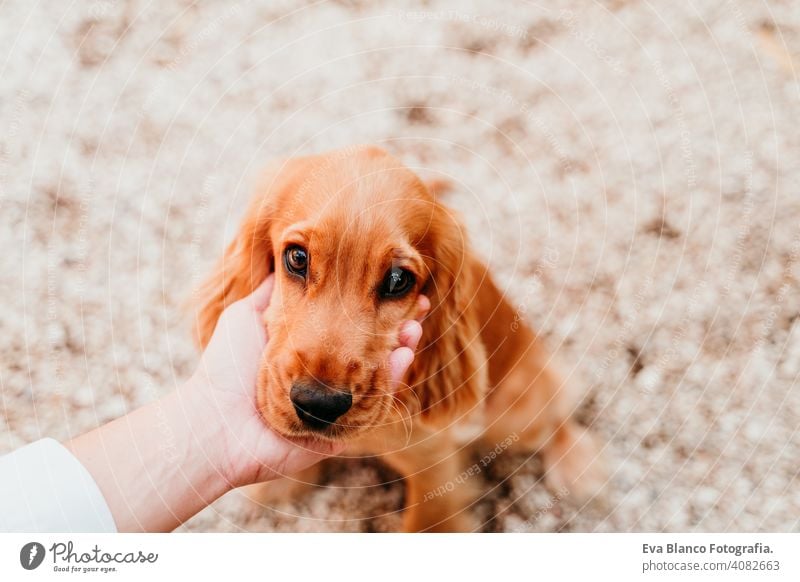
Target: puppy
[{"x": 354, "y": 239}]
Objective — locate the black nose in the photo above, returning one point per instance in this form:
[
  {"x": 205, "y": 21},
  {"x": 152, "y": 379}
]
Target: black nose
[{"x": 317, "y": 405}]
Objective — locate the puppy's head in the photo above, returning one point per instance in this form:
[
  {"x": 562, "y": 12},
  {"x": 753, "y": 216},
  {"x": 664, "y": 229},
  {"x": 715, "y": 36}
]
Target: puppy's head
[{"x": 353, "y": 238}]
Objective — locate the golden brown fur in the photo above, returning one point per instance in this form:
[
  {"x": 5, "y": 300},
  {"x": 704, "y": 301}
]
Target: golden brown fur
[{"x": 357, "y": 211}]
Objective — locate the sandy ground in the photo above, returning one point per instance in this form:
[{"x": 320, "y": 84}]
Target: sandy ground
[{"x": 628, "y": 169}]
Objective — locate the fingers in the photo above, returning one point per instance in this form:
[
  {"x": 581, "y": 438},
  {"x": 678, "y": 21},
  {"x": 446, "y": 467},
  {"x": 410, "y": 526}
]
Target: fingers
[
  {"x": 241, "y": 322},
  {"x": 282, "y": 456},
  {"x": 306, "y": 452},
  {"x": 399, "y": 361},
  {"x": 259, "y": 298},
  {"x": 410, "y": 334},
  {"x": 401, "y": 358},
  {"x": 423, "y": 306},
  {"x": 322, "y": 449}
]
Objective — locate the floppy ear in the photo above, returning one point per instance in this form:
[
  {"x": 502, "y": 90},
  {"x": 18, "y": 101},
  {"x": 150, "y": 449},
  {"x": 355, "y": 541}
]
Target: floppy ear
[
  {"x": 449, "y": 373},
  {"x": 246, "y": 263},
  {"x": 250, "y": 257}
]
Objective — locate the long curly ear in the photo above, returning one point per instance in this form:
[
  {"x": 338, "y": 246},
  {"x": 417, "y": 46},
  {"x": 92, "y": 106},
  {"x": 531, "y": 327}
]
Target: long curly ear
[
  {"x": 246, "y": 263},
  {"x": 449, "y": 373},
  {"x": 250, "y": 258}
]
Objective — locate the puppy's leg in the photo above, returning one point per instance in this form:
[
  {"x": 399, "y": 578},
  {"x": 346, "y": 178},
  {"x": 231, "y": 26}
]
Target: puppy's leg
[
  {"x": 534, "y": 406},
  {"x": 439, "y": 491}
]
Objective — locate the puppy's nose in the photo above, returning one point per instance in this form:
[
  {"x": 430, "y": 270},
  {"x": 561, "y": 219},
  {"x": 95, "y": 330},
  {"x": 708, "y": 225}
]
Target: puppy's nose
[{"x": 317, "y": 405}]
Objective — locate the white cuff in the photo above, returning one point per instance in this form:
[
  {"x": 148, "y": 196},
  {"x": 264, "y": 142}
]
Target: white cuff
[{"x": 44, "y": 488}]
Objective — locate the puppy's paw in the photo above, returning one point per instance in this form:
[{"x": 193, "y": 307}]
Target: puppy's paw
[{"x": 573, "y": 463}]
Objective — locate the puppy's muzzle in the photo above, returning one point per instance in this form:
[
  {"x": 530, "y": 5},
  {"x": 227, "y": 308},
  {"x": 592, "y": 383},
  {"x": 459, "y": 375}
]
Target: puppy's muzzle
[{"x": 317, "y": 405}]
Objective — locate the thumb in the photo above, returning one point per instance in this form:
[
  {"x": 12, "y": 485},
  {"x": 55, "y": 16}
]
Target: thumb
[
  {"x": 402, "y": 357},
  {"x": 259, "y": 298}
]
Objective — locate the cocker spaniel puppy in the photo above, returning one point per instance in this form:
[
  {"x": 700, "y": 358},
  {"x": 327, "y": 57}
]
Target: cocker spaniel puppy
[{"x": 355, "y": 238}]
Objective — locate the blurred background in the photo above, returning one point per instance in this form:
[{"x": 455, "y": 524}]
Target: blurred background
[{"x": 628, "y": 169}]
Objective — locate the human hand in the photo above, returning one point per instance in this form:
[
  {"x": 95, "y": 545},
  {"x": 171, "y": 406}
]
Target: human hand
[{"x": 245, "y": 450}]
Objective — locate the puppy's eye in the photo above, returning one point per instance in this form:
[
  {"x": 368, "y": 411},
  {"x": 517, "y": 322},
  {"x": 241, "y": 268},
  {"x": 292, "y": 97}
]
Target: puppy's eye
[
  {"x": 396, "y": 283},
  {"x": 296, "y": 260}
]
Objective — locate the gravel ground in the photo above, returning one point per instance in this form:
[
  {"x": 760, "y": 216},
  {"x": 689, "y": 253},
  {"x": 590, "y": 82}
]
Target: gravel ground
[{"x": 628, "y": 169}]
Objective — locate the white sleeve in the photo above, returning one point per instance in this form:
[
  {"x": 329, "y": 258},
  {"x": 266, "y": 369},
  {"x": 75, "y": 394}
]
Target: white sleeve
[{"x": 44, "y": 488}]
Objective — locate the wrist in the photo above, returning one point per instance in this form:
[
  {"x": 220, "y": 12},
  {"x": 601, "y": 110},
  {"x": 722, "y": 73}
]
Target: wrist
[
  {"x": 157, "y": 466},
  {"x": 209, "y": 435}
]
